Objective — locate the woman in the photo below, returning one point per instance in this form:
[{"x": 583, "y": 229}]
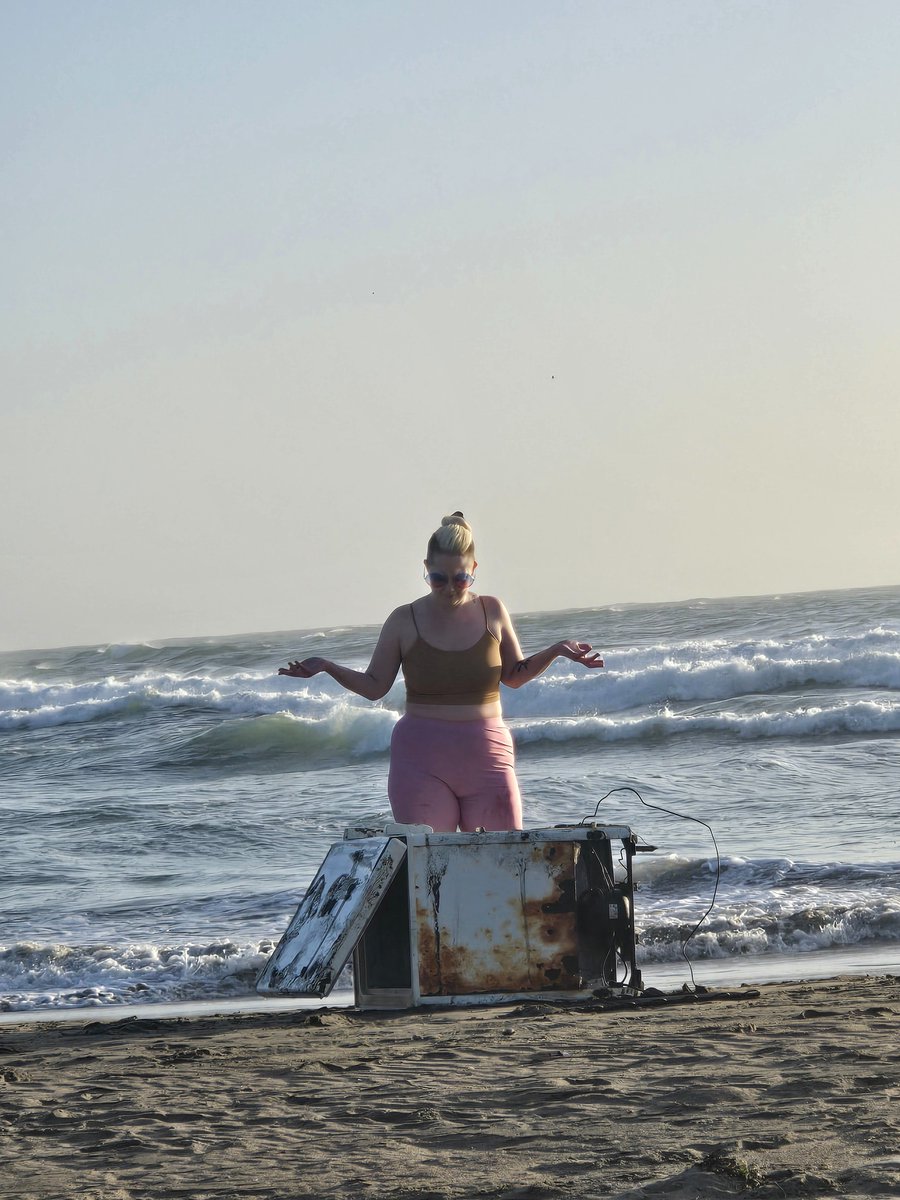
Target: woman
[{"x": 452, "y": 758}]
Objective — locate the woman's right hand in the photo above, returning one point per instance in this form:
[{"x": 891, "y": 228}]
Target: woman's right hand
[{"x": 305, "y": 669}]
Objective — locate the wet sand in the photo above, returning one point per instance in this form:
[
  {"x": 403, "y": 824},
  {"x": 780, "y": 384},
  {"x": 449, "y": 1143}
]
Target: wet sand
[{"x": 784, "y": 1089}]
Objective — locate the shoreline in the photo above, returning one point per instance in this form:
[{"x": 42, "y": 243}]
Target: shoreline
[
  {"x": 789, "y": 1088},
  {"x": 712, "y": 973}
]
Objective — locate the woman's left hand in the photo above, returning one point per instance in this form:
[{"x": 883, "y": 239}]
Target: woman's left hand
[
  {"x": 582, "y": 652},
  {"x": 305, "y": 669}
]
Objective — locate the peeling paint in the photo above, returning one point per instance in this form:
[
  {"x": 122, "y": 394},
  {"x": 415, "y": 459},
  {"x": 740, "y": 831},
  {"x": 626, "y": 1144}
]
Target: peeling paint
[{"x": 331, "y": 917}]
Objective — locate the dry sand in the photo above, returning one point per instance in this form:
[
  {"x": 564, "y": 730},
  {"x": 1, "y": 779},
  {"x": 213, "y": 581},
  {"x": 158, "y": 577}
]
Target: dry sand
[{"x": 784, "y": 1090}]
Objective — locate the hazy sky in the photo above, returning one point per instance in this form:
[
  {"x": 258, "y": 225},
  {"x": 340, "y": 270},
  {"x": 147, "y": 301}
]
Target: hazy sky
[{"x": 283, "y": 282}]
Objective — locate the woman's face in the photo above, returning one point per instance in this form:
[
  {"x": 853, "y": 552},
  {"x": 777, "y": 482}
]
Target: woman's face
[{"x": 450, "y": 576}]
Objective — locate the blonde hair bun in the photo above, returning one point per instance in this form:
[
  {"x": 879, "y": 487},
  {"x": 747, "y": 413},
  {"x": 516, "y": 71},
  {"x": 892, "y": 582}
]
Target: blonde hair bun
[
  {"x": 456, "y": 519},
  {"x": 453, "y": 537}
]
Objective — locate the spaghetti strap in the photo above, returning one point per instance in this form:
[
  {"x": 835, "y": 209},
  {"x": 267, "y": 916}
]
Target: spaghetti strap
[
  {"x": 413, "y": 615},
  {"x": 487, "y": 624}
]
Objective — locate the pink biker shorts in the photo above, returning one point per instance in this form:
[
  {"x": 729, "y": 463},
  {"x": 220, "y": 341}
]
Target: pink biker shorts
[{"x": 450, "y": 774}]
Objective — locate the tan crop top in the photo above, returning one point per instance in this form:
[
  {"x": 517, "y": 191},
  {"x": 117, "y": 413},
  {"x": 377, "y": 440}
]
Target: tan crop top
[{"x": 436, "y": 676}]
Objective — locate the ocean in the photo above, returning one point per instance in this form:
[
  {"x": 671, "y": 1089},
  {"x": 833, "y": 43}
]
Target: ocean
[{"x": 165, "y": 805}]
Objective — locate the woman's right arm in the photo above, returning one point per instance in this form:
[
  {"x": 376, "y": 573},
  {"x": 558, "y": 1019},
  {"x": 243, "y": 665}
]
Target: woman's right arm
[{"x": 377, "y": 679}]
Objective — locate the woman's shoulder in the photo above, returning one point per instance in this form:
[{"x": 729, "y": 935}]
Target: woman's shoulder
[
  {"x": 400, "y": 627},
  {"x": 496, "y": 616},
  {"x": 401, "y": 615},
  {"x": 402, "y": 620},
  {"x": 494, "y": 606}
]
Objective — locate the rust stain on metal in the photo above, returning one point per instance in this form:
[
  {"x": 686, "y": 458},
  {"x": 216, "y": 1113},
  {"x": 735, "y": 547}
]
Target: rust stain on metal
[{"x": 533, "y": 941}]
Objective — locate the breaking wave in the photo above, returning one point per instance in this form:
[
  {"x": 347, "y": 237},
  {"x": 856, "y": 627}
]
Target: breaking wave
[
  {"x": 764, "y": 906},
  {"x": 861, "y": 716},
  {"x": 751, "y": 689},
  {"x": 36, "y": 976}
]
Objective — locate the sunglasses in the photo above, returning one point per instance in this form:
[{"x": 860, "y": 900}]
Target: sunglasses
[{"x": 437, "y": 579}]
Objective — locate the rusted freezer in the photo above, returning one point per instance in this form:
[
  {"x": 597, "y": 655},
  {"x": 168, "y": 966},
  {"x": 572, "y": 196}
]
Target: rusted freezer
[{"x": 464, "y": 918}]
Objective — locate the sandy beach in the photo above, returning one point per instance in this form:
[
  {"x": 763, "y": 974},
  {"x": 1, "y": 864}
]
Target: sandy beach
[{"x": 784, "y": 1089}]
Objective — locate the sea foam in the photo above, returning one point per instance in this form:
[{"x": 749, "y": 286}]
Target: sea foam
[
  {"x": 764, "y": 906},
  {"x": 39, "y": 976}
]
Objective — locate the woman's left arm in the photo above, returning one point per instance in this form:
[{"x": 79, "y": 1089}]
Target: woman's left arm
[{"x": 517, "y": 669}]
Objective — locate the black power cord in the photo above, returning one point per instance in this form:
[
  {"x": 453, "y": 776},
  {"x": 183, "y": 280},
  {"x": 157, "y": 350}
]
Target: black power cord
[{"x": 684, "y": 817}]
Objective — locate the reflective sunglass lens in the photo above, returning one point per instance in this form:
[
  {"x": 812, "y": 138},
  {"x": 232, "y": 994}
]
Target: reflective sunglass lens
[{"x": 438, "y": 579}]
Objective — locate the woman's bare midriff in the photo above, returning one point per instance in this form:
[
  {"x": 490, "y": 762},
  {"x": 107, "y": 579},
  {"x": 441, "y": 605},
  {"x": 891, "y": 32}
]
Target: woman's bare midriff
[{"x": 455, "y": 712}]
